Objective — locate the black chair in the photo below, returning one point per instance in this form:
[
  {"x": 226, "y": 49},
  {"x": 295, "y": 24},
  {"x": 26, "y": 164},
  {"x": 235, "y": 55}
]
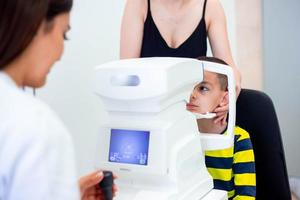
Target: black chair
[{"x": 256, "y": 114}]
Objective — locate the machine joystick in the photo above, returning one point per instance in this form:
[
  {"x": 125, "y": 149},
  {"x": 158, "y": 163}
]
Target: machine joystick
[{"x": 106, "y": 185}]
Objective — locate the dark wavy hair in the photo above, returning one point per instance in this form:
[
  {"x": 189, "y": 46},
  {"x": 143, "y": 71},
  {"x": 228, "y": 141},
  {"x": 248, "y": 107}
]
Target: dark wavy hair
[{"x": 20, "y": 21}]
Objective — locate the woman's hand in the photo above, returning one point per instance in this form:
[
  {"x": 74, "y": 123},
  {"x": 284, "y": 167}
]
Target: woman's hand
[{"x": 89, "y": 186}]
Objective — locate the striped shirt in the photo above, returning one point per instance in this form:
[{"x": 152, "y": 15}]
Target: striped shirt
[{"x": 233, "y": 169}]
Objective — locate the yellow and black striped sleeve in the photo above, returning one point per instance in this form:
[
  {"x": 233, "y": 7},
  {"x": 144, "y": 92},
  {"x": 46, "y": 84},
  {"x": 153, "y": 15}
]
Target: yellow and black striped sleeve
[{"x": 243, "y": 167}]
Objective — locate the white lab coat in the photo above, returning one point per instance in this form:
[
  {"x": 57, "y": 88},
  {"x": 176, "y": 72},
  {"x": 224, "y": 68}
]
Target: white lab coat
[{"x": 36, "y": 151}]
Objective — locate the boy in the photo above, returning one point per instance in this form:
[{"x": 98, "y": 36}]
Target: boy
[{"x": 232, "y": 169}]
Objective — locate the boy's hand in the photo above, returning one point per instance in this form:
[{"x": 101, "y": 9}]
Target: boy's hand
[{"x": 221, "y": 112}]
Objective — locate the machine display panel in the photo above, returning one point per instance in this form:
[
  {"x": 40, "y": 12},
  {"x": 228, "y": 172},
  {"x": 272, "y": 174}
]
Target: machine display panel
[{"x": 129, "y": 146}]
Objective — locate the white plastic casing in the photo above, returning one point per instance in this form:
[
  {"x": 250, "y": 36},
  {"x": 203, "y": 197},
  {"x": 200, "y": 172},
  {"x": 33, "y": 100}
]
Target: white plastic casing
[{"x": 150, "y": 94}]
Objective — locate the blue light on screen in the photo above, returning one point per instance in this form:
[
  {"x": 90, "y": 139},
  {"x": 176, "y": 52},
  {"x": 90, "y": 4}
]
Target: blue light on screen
[{"x": 129, "y": 146}]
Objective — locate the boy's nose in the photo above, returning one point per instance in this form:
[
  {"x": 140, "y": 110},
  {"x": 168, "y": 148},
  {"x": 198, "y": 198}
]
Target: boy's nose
[{"x": 193, "y": 95}]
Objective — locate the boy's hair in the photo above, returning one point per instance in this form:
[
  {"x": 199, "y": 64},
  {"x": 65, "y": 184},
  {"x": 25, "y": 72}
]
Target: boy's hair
[{"x": 222, "y": 77}]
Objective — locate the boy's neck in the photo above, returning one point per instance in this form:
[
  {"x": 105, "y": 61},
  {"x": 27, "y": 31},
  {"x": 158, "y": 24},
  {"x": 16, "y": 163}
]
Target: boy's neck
[{"x": 208, "y": 126}]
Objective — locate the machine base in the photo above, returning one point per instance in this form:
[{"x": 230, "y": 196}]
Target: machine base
[
  {"x": 216, "y": 195},
  {"x": 131, "y": 195}
]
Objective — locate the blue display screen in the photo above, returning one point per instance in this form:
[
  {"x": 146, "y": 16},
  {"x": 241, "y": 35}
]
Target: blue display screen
[{"x": 129, "y": 146}]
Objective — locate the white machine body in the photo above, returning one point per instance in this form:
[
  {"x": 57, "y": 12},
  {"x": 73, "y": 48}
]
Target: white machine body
[{"x": 151, "y": 142}]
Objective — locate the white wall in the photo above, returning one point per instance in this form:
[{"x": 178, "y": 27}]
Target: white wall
[
  {"x": 249, "y": 43},
  {"x": 282, "y": 71},
  {"x": 94, "y": 39}
]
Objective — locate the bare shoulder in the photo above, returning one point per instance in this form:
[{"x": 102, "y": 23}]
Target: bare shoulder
[
  {"x": 211, "y": 4},
  {"x": 214, "y": 11},
  {"x": 141, "y": 4},
  {"x": 138, "y": 8}
]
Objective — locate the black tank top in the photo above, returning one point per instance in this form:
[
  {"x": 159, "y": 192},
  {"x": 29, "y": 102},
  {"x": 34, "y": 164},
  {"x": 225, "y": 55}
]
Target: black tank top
[{"x": 154, "y": 45}]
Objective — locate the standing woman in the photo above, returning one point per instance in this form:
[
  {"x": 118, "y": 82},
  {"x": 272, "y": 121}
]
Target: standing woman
[
  {"x": 179, "y": 28},
  {"x": 36, "y": 151}
]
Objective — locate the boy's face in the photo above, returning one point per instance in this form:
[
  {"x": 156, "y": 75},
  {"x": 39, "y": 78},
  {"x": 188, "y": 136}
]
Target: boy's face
[{"x": 207, "y": 95}]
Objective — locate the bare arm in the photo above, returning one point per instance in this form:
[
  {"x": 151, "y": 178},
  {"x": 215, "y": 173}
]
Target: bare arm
[
  {"x": 218, "y": 37},
  {"x": 132, "y": 28}
]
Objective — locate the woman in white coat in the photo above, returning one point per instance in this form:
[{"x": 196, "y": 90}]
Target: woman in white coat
[{"x": 36, "y": 151}]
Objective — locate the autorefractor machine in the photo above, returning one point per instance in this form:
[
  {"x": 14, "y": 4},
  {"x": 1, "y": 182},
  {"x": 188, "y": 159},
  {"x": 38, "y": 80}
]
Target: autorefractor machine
[{"x": 151, "y": 141}]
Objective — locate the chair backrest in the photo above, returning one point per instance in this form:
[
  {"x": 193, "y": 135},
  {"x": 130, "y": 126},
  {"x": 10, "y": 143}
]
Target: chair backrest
[{"x": 256, "y": 114}]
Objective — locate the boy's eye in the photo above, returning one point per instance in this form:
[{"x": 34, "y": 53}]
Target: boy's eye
[{"x": 203, "y": 89}]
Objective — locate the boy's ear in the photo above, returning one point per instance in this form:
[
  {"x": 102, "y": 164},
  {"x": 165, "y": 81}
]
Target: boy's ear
[{"x": 225, "y": 99}]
